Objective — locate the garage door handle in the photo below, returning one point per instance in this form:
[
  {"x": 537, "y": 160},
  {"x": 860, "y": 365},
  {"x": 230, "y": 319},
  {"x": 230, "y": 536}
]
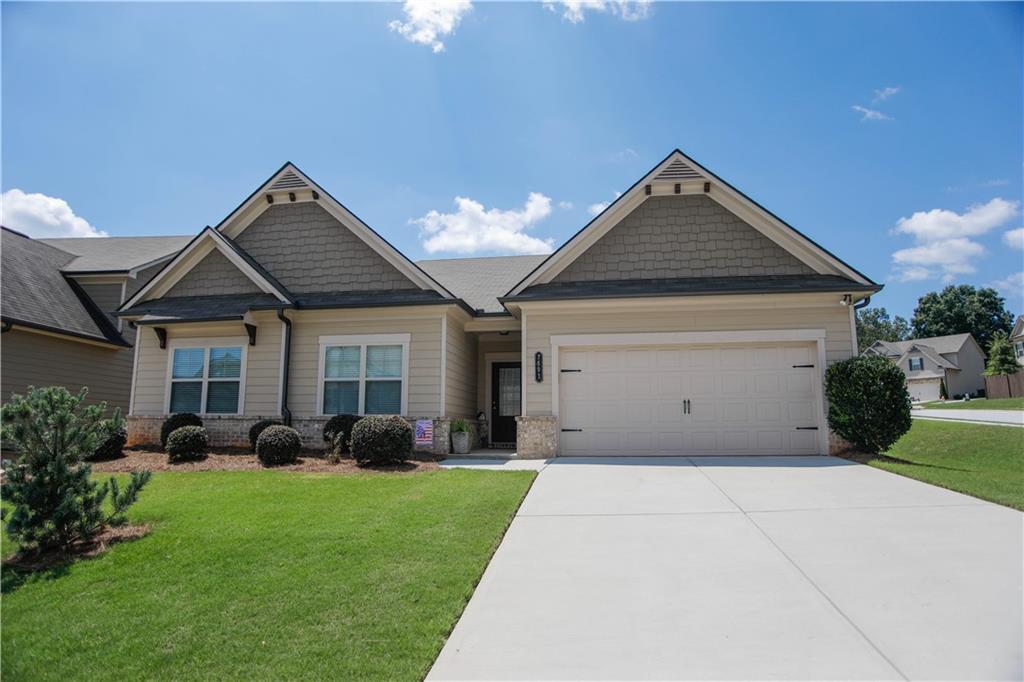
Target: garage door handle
[
  {"x": 807, "y": 428},
  {"x": 571, "y": 430},
  {"x": 798, "y": 366},
  {"x": 686, "y": 406}
]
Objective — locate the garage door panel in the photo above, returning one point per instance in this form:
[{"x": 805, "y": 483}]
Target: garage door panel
[{"x": 743, "y": 399}]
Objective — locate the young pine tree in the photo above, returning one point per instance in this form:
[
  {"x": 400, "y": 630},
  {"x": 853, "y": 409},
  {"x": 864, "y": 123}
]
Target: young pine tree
[{"x": 1001, "y": 359}]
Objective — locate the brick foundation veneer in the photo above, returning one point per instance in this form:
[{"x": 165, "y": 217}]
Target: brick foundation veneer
[{"x": 233, "y": 431}]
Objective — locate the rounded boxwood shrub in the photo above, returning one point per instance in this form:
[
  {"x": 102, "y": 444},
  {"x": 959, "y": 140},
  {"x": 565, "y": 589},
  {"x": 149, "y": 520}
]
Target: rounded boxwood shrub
[
  {"x": 278, "y": 444},
  {"x": 339, "y": 424},
  {"x": 381, "y": 440},
  {"x": 868, "y": 402},
  {"x": 256, "y": 429},
  {"x": 112, "y": 446},
  {"x": 187, "y": 443},
  {"x": 176, "y": 421}
]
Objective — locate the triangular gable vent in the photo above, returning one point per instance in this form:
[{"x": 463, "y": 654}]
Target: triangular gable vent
[
  {"x": 678, "y": 170},
  {"x": 288, "y": 180}
]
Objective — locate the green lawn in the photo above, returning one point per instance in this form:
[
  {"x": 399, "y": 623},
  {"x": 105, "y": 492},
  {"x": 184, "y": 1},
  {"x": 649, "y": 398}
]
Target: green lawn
[
  {"x": 983, "y": 461},
  {"x": 268, "y": 575},
  {"x": 979, "y": 404}
]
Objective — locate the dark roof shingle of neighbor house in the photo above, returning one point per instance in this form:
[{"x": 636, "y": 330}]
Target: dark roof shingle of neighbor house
[
  {"x": 481, "y": 281},
  {"x": 115, "y": 254},
  {"x": 939, "y": 344},
  {"x": 35, "y": 293},
  {"x": 690, "y": 286}
]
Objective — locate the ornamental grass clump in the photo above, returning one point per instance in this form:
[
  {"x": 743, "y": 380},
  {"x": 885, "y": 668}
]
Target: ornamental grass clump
[
  {"x": 868, "y": 402},
  {"x": 278, "y": 445},
  {"x": 54, "y": 502},
  {"x": 186, "y": 444},
  {"x": 381, "y": 440}
]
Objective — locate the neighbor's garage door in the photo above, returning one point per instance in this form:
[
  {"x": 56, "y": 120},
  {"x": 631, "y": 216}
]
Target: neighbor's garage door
[{"x": 743, "y": 400}]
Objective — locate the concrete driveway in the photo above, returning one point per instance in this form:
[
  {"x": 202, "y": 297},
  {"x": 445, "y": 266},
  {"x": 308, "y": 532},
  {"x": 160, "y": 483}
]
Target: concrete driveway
[
  {"x": 744, "y": 568},
  {"x": 1015, "y": 417}
]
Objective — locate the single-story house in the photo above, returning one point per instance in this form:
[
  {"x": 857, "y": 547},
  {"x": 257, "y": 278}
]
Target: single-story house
[
  {"x": 684, "y": 319},
  {"x": 1017, "y": 339},
  {"x": 956, "y": 360},
  {"x": 57, "y": 303}
]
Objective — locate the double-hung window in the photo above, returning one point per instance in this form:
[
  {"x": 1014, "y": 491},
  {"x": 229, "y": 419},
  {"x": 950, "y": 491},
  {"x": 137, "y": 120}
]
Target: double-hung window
[
  {"x": 206, "y": 379},
  {"x": 916, "y": 364},
  {"x": 1018, "y": 348},
  {"x": 364, "y": 374}
]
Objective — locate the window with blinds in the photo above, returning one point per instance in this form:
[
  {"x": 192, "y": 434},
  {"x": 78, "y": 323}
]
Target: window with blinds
[
  {"x": 363, "y": 379},
  {"x": 206, "y": 380}
]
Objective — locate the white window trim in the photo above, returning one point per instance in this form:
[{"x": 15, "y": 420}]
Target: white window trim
[
  {"x": 362, "y": 340},
  {"x": 916, "y": 361},
  {"x": 206, "y": 344}
]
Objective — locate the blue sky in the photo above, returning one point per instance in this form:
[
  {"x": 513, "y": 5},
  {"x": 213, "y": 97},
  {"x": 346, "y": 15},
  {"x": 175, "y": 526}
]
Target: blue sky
[{"x": 136, "y": 119}]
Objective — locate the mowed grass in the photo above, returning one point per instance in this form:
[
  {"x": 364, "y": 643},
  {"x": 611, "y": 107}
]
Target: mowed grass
[
  {"x": 979, "y": 460},
  {"x": 268, "y": 575},
  {"x": 979, "y": 404}
]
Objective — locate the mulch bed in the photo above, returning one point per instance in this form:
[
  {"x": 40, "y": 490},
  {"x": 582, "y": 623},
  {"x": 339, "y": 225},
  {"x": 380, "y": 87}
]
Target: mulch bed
[
  {"x": 111, "y": 535},
  {"x": 240, "y": 460}
]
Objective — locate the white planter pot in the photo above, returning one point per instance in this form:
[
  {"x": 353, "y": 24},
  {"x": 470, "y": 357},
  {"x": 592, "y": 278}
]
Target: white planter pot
[{"x": 460, "y": 443}]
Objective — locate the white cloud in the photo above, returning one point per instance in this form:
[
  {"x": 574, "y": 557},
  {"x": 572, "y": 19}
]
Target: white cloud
[
  {"x": 885, "y": 93},
  {"x": 870, "y": 114},
  {"x": 427, "y": 21},
  {"x": 565, "y": 205},
  {"x": 1014, "y": 238},
  {"x": 950, "y": 257},
  {"x": 40, "y": 216},
  {"x": 472, "y": 229},
  {"x": 1012, "y": 287},
  {"x": 575, "y": 11},
  {"x": 594, "y": 209},
  {"x": 940, "y": 223}
]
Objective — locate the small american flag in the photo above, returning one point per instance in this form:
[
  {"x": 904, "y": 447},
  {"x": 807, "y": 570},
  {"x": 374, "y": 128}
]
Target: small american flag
[{"x": 424, "y": 432}]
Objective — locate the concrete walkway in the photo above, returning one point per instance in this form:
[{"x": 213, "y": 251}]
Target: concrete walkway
[
  {"x": 1014, "y": 417},
  {"x": 744, "y": 568}
]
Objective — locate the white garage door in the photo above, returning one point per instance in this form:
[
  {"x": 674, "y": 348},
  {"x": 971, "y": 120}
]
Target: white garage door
[
  {"x": 924, "y": 390},
  {"x": 693, "y": 400}
]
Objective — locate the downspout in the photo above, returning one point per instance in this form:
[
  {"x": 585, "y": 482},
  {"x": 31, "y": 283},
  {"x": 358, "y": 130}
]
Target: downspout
[{"x": 286, "y": 414}]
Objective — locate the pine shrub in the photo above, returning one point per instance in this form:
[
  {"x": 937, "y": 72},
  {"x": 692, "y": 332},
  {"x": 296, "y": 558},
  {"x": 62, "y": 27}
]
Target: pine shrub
[
  {"x": 340, "y": 424},
  {"x": 868, "y": 402},
  {"x": 278, "y": 444},
  {"x": 187, "y": 443},
  {"x": 381, "y": 440},
  {"x": 256, "y": 429},
  {"x": 176, "y": 421}
]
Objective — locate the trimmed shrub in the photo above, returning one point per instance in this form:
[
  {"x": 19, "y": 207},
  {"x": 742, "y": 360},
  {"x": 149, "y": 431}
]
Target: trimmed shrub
[
  {"x": 256, "y": 429},
  {"x": 187, "y": 443},
  {"x": 176, "y": 421},
  {"x": 278, "y": 444},
  {"x": 381, "y": 440},
  {"x": 340, "y": 424},
  {"x": 868, "y": 402},
  {"x": 113, "y": 436}
]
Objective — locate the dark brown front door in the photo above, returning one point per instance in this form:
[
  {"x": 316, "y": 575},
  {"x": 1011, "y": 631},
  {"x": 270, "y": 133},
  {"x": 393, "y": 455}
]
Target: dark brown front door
[{"x": 506, "y": 397}]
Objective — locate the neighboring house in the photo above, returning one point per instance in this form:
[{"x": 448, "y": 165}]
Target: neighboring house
[
  {"x": 684, "y": 319},
  {"x": 1017, "y": 339},
  {"x": 57, "y": 305},
  {"x": 957, "y": 359}
]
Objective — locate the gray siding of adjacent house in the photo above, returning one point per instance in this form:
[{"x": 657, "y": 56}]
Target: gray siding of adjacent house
[
  {"x": 681, "y": 236},
  {"x": 307, "y": 250},
  {"x": 42, "y": 360},
  {"x": 107, "y": 298},
  {"x": 215, "y": 274}
]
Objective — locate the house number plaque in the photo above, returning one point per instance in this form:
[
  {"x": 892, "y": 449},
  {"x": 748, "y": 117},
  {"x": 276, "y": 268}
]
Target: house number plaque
[{"x": 538, "y": 367}]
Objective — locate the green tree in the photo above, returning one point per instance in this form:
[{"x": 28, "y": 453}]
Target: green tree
[
  {"x": 962, "y": 309},
  {"x": 873, "y": 324},
  {"x": 1001, "y": 359},
  {"x": 55, "y": 502}
]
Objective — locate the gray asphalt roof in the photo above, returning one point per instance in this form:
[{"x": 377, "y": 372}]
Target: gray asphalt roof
[
  {"x": 940, "y": 344},
  {"x": 105, "y": 254},
  {"x": 691, "y": 286},
  {"x": 36, "y": 294},
  {"x": 480, "y": 281}
]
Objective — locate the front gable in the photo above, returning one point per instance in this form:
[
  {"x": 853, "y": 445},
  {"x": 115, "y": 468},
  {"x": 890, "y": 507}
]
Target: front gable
[
  {"x": 681, "y": 236},
  {"x": 214, "y": 274},
  {"x": 681, "y": 201}
]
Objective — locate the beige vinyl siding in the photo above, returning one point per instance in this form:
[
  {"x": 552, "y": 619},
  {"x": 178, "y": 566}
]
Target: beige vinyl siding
[
  {"x": 422, "y": 323},
  {"x": 43, "y": 360},
  {"x": 460, "y": 368},
  {"x": 677, "y": 315},
  {"x": 262, "y": 365},
  {"x": 970, "y": 378}
]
